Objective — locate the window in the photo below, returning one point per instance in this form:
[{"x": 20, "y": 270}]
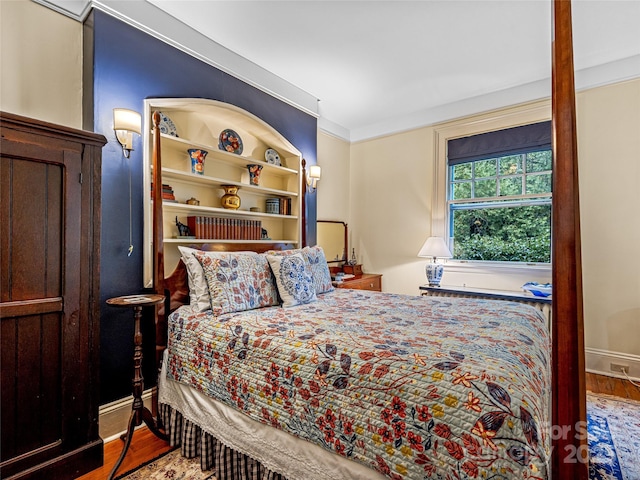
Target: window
[{"x": 499, "y": 195}]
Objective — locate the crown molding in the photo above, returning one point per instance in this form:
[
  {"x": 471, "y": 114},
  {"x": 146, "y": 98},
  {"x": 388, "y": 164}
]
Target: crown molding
[{"x": 76, "y": 9}]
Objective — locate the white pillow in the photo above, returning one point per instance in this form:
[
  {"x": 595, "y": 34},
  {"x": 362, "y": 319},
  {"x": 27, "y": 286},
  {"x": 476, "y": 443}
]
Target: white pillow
[
  {"x": 199, "y": 298},
  {"x": 294, "y": 282}
]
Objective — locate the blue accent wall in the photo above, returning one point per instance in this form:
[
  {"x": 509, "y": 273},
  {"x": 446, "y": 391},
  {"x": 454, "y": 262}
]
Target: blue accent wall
[{"x": 125, "y": 66}]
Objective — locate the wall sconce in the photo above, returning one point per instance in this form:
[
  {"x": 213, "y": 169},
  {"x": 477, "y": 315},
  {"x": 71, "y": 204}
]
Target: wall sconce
[
  {"x": 434, "y": 248},
  {"x": 313, "y": 176},
  {"x": 125, "y": 123},
  {"x": 308, "y": 185}
]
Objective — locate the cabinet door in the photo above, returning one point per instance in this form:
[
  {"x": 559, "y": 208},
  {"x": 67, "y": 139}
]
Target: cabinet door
[{"x": 47, "y": 401}]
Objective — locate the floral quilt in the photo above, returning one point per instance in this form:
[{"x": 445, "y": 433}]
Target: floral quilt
[{"x": 414, "y": 387}]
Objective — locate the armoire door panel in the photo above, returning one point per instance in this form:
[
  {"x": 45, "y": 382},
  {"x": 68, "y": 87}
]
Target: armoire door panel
[
  {"x": 52, "y": 233},
  {"x": 51, "y": 378},
  {"x": 30, "y": 383},
  {"x": 38, "y": 397},
  {"x": 31, "y": 206},
  {"x": 8, "y": 373}
]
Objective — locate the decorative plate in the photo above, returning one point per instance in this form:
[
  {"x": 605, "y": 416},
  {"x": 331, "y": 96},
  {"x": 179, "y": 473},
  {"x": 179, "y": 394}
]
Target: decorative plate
[
  {"x": 230, "y": 141},
  {"x": 272, "y": 157},
  {"x": 167, "y": 126},
  {"x": 538, "y": 289}
]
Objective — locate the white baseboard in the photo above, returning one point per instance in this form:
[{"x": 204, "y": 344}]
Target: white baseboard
[
  {"x": 114, "y": 416},
  {"x": 599, "y": 361}
]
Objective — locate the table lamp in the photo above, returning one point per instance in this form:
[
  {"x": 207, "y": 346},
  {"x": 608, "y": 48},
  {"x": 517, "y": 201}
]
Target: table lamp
[{"x": 434, "y": 248}]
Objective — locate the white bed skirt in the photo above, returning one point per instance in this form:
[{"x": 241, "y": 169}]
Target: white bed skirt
[{"x": 276, "y": 450}]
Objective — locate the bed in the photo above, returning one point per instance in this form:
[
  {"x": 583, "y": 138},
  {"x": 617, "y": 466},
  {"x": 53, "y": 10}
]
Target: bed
[
  {"x": 407, "y": 386},
  {"x": 377, "y": 385}
]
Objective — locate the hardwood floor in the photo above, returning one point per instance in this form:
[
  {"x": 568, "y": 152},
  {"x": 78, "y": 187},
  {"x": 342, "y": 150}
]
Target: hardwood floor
[
  {"x": 612, "y": 386},
  {"x": 146, "y": 446}
]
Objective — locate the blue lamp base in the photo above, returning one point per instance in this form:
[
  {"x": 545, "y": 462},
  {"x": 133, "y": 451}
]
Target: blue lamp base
[{"x": 434, "y": 273}]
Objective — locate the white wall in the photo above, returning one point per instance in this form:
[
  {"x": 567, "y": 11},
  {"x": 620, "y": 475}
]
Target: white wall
[
  {"x": 609, "y": 169},
  {"x": 391, "y": 184},
  {"x": 40, "y": 63},
  {"x": 333, "y": 189}
]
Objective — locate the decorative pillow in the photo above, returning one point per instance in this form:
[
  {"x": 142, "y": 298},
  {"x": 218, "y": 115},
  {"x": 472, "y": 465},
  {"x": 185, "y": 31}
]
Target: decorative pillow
[
  {"x": 319, "y": 268},
  {"x": 237, "y": 281},
  {"x": 198, "y": 289},
  {"x": 316, "y": 263},
  {"x": 295, "y": 285}
]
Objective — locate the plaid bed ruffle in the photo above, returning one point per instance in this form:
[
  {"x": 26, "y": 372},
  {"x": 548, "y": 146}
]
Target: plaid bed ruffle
[{"x": 224, "y": 462}]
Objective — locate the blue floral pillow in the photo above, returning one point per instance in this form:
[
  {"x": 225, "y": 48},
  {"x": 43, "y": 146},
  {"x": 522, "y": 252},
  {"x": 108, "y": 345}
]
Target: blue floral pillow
[
  {"x": 319, "y": 268},
  {"x": 237, "y": 281},
  {"x": 316, "y": 263},
  {"x": 295, "y": 284}
]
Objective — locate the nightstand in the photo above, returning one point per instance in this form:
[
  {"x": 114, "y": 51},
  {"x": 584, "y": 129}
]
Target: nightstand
[{"x": 366, "y": 281}]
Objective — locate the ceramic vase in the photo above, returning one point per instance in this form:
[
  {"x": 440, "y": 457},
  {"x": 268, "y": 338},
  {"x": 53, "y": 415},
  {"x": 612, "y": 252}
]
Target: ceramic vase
[
  {"x": 254, "y": 174},
  {"x": 197, "y": 160},
  {"x": 230, "y": 199},
  {"x": 434, "y": 273},
  {"x": 272, "y": 205}
]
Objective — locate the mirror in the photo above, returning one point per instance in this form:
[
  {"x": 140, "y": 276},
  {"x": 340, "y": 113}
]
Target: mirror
[{"x": 332, "y": 237}]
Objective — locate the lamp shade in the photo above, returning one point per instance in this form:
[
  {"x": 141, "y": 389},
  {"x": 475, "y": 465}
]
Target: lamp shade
[
  {"x": 434, "y": 247},
  {"x": 315, "y": 172},
  {"x": 313, "y": 176},
  {"x": 125, "y": 119},
  {"x": 125, "y": 123}
]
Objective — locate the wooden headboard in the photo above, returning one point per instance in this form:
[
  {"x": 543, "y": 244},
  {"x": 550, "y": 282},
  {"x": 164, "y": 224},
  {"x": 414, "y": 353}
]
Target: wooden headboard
[{"x": 569, "y": 397}]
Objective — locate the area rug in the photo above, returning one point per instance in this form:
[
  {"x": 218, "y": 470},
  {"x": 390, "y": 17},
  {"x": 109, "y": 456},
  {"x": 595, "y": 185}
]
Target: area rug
[
  {"x": 169, "y": 466},
  {"x": 613, "y": 437}
]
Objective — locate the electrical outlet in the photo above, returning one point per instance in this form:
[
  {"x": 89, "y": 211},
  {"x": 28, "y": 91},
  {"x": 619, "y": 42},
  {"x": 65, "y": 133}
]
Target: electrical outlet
[{"x": 616, "y": 367}]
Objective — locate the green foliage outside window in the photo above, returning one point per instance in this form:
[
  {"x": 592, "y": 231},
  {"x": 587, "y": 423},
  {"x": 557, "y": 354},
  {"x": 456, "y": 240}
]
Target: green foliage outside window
[
  {"x": 513, "y": 234},
  {"x": 500, "y": 208}
]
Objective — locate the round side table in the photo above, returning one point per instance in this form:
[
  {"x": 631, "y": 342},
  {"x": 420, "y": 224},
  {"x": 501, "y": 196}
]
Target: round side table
[{"x": 139, "y": 413}]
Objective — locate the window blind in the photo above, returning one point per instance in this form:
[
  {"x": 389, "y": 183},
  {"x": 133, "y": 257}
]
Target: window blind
[{"x": 526, "y": 138}]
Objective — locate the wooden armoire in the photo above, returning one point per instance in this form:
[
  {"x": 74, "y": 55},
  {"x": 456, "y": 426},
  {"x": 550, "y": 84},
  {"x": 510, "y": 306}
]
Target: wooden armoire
[{"x": 49, "y": 299}]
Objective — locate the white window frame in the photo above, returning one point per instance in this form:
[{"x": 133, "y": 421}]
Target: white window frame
[{"x": 526, "y": 114}]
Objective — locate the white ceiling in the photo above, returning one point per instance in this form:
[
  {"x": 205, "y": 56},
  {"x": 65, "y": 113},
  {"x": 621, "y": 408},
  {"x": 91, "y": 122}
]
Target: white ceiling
[{"x": 383, "y": 66}]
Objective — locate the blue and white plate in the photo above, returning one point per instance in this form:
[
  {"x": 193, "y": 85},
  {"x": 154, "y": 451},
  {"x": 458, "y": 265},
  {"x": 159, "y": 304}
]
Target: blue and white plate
[
  {"x": 272, "y": 157},
  {"x": 167, "y": 126},
  {"x": 230, "y": 141},
  {"x": 538, "y": 289}
]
